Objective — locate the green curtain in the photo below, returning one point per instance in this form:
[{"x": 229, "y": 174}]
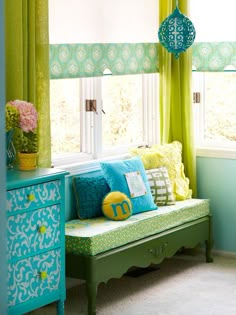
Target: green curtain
[
  {"x": 176, "y": 118},
  {"x": 27, "y": 63}
]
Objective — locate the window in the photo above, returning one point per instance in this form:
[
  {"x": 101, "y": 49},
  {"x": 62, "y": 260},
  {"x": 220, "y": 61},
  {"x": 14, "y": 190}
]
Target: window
[
  {"x": 127, "y": 101},
  {"x": 65, "y": 115},
  {"x": 122, "y": 106},
  {"x": 215, "y": 115},
  {"x": 125, "y": 115}
]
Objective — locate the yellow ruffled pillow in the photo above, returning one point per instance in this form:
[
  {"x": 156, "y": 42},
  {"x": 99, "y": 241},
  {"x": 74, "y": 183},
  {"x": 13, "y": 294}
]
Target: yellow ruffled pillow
[{"x": 170, "y": 156}]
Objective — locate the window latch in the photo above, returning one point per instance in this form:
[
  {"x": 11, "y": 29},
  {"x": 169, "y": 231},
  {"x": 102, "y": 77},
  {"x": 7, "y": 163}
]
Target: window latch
[
  {"x": 196, "y": 97},
  {"x": 103, "y": 109},
  {"x": 91, "y": 106}
]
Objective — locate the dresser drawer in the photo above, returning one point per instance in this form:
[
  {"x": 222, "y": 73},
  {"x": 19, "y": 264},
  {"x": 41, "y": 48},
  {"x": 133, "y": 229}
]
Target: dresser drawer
[
  {"x": 35, "y": 196},
  {"x": 33, "y": 231},
  {"x": 33, "y": 277}
]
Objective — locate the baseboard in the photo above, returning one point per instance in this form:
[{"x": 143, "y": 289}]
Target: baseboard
[
  {"x": 191, "y": 252},
  {"x": 223, "y": 253},
  {"x": 215, "y": 252}
]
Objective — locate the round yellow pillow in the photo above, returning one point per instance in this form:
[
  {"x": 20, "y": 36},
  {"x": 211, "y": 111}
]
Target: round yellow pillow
[{"x": 117, "y": 206}]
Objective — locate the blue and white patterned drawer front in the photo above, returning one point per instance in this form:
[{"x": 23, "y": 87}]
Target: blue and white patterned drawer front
[
  {"x": 34, "y": 231},
  {"x": 32, "y": 277},
  {"x": 32, "y": 197}
]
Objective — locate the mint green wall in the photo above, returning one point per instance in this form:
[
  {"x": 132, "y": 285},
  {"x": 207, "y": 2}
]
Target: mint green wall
[
  {"x": 216, "y": 179},
  {"x": 2, "y": 169}
]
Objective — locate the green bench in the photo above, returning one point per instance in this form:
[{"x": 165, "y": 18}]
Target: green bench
[{"x": 99, "y": 249}]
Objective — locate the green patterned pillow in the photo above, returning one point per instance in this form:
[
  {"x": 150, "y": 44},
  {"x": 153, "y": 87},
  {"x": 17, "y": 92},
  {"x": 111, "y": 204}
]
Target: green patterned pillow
[{"x": 160, "y": 185}]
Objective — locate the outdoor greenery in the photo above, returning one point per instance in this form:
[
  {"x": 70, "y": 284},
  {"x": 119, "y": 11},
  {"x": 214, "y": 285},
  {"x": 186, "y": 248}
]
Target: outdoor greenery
[
  {"x": 65, "y": 115},
  {"x": 220, "y": 100},
  {"x": 123, "y": 112},
  {"x": 122, "y": 104}
]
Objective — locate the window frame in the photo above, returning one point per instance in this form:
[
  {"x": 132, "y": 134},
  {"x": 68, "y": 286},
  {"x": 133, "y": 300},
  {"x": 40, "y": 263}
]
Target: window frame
[
  {"x": 91, "y": 122},
  {"x": 206, "y": 148}
]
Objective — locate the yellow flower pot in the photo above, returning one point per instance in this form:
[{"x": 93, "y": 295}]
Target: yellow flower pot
[{"x": 27, "y": 161}]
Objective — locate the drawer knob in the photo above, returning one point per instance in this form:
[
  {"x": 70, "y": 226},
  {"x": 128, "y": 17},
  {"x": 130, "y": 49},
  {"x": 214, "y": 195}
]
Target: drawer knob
[
  {"x": 42, "y": 229},
  {"x": 31, "y": 197},
  {"x": 43, "y": 275}
]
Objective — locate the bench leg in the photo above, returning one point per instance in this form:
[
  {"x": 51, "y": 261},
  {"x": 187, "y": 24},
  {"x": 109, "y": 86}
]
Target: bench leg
[
  {"x": 208, "y": 254},
  {"x": 209, "y": 243},
  {"x": 91, "y": 288}
]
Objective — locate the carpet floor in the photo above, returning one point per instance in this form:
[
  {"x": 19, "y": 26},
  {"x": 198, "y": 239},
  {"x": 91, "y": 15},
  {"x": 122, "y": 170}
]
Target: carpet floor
[{"x": 182, "y": 285}]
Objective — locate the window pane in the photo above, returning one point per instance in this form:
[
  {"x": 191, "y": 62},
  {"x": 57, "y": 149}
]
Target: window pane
[
  {"x": 65, "y": 116},
  {"x": 220, "y": 106},
  {"x": 122, "y": 103}
]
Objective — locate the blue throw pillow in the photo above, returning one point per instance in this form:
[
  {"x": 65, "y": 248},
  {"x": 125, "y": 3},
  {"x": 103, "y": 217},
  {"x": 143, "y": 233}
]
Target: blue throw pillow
[
  {"x": 115, "y": 173},
  {"x": 89, "y": 194}
]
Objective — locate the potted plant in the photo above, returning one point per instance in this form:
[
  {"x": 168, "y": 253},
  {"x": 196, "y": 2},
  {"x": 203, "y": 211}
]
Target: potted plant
[
  {"x": 12, "y": 118},
  {"x": 25, "y": 136}
]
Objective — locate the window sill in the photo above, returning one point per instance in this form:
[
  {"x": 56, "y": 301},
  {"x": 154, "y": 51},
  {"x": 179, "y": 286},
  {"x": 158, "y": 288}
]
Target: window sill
[
  {"x": 89, "y": 165},
  {"x": 216, "y": 152}
]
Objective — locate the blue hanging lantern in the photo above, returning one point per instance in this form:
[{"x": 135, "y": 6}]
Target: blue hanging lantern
[{"x": 176, "y": 32}]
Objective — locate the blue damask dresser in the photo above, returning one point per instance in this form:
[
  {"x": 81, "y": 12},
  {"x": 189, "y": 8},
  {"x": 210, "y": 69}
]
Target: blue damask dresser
[{"x": 35, "y": 239}]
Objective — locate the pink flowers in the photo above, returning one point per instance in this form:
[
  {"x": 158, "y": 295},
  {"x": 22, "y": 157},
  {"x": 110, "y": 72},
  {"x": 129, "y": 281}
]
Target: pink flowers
[
  {"x": 28, "y": 116},
  {"x": 21, "y": 120}
]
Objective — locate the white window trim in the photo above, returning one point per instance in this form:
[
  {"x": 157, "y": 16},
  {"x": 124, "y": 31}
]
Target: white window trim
[
  {"x": 216, "y": 152},
  {"x": 89, "y": 166},
  {"x": 91, "y": 142},
  {"x": 206, "y": 148}
]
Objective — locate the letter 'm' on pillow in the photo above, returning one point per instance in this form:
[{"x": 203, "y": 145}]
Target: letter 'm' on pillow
[
  {"x": 116, "y": 206},
  {"x": 128, "y": 176}
]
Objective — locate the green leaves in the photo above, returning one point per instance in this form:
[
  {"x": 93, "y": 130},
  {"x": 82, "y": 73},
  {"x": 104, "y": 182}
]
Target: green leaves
[{"x": 12, "y": 117}]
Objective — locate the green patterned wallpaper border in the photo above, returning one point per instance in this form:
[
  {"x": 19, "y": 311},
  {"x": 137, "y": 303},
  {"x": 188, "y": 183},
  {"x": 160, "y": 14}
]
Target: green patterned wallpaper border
[
  {"x": 214, "y": 56},
  {"x": 90, "y": 60}
]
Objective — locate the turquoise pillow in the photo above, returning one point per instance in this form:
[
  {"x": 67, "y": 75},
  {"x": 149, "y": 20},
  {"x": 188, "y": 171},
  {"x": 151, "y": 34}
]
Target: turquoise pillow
[
  {"x": 89, "y": 193},
  {"x": 115, "y": 173}
]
